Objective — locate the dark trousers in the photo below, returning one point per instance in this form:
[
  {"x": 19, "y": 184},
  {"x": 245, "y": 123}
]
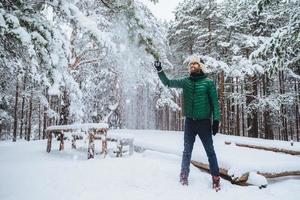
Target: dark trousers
[{"x": 202, "y": 128}]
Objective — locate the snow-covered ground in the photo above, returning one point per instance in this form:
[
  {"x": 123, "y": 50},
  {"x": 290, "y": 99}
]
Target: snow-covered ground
[
  {"x": 28, "y": 172},
  {"x": 237, "y": 160}
]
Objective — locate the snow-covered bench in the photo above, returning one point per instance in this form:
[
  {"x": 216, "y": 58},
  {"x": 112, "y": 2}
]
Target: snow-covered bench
[
  {"x": 124, "y": 143},
  {"x": 92, "y": 131}
]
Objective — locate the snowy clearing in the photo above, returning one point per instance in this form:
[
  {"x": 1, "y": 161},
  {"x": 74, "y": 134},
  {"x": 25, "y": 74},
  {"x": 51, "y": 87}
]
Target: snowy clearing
[
  {"x": 28, "y": 172},
  {"x": 238, "y": 160}
]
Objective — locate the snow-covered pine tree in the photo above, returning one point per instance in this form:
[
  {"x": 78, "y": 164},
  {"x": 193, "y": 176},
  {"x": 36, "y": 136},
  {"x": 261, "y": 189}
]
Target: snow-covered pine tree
[
  {"x": 92, "y": 56},
  {"x": 32, "y": 52},
  {"x": 247, "y": 39}
]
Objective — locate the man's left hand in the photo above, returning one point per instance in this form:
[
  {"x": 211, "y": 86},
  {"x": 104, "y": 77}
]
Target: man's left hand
[{"x": 215, "y": 127}]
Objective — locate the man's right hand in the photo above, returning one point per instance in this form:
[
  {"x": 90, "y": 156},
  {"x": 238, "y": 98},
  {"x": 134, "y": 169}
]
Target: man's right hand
[{"x": 157, "y": 65}]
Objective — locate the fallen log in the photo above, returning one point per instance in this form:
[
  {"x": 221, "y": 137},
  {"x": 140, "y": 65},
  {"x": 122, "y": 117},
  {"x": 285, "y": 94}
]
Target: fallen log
[
  {"x": 277, "y": 175},
  {"x": 244, "y": 178},
  {"x": 286, "y": 151},
  {"x": 224, "y": 174}
]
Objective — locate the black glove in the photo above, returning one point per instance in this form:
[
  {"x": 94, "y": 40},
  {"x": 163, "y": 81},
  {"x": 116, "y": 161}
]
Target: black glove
[
  {"x": 157, "y": 65},
  {"x": 215, "y": 127}
]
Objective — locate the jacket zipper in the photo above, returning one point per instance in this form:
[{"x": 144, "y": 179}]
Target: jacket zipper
[{"x": 194, "y": 83}]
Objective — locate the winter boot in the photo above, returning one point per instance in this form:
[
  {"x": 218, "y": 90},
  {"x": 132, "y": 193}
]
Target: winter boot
[
  {"x": 216, "y": 183},
  {"x": 184, "y": 179}
]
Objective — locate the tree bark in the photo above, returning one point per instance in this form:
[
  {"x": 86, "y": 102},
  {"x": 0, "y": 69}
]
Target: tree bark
[
  {"x": 49, "y": 142},
  {"x": 1, "y": 129},
  {"x": 243, "y": 179},
  {"x": 209, "y": 30},
  {"x": 286, "y": 151},
  {"x": 243, "y": 112},
  {"x": 232, "y": 110},
  {"x": 267, "y": 115},
  {"x": 238, "y": 130},
  {"x": 40, "y": 119},
  {"x": 283, "y": 109},
  {"x": 30, "y": 117},
  {"x": 297, "y": 111},
  {"x": 64, "y": 112},
  {"x": 16, "y": 113},
  {"x": 45, "y": 115},
  {"x": 23, "y": 106},
  {"x": 91, "y": 147},
  {"x": 222, "y": 101},
  {"x": 228, "y": 106},
  {"x": 26, "y": 125},
  {"x": 252, "y": 120},
  {"x": 224, "y": 173},
  {"x": 61, "y": 138}
]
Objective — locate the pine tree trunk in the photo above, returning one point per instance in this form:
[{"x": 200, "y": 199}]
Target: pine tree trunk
[
  {"x": 232, "y": 113},
  {"x": 209, "y": 30},
  {"x": 238, "y": 110},
  {"x": 49, "y": 142},
  {"x": 243, "y": 110},
  {"x": 16, "y": 113},
  {"x": 30, "y": 117},
  {"x": 160, "y": 118},
  {"x": 26, "y": 125},
  {"x": 228, "y": 116},
  {"x": 23, "y": 106},
  {"x": 255, "y": 114},
  {"x": 49, "y": 121},
  {"x": 171, "y": 120},
  {"x": 181, "y": 112},
  {"x": 283, "y": 109},
  {"x": 64, "y": 112},
  {"x": 1, "y": 129},
  {"x": 40, "y": 120},
  {"x": 58, "y": 108},
  {"x": 45, "y": 116},
  {"x": 156, "y": 119},
  {"x": 267, "y": 117},
  {"x": 249, "y": 98},
  {"x": 222, "y": 101},
  {"x": 297, "y": 111},
  {"x": 252, "y": 120},
  {"x": 167, "y": 118}
]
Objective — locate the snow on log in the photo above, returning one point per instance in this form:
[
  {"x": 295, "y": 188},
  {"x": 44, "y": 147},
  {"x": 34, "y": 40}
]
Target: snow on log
[
  {"x": 256, "y": 179},
  {"x": 249, "y": 178},
  {"x": 277, "y": 175},
  {"x": 279, "y": 150},
  {"x": 224, "y": 173},
  {"x": 85, "y": 126}
]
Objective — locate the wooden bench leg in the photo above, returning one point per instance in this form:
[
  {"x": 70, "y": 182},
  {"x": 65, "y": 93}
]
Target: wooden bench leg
[
  {"x": 49, "y": 142},
  {"x": 120, "y": 150},
  {"x": 61, "y": 145},
  {"x": 104, "y": 146},
  {"x": 131, "y": 147},
  {"x": 73, "y": 142},
  {"x": 91, "y": 148},
  {"x": 103, "y": 133}
]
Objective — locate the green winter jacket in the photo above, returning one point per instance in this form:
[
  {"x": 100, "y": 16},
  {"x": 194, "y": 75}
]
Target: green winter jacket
[{"x": 199, "y": 96}]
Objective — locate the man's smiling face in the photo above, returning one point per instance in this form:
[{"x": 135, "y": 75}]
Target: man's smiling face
[{"x": 194, "y": 67}]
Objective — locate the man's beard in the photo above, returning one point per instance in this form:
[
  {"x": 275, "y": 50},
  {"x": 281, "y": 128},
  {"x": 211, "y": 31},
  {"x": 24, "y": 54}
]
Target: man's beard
[{"x": 195, "y": 71}]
